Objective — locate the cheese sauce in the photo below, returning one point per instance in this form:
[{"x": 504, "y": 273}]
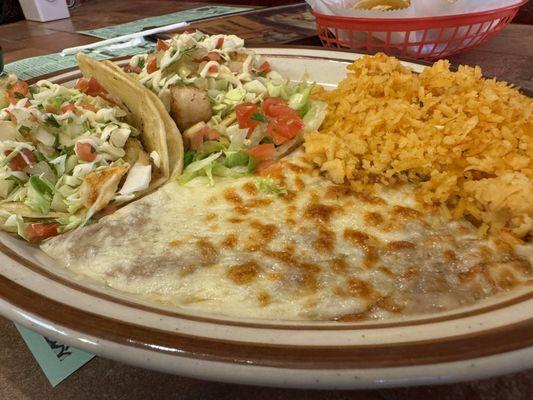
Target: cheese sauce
[{"x": 319, "y": 252}]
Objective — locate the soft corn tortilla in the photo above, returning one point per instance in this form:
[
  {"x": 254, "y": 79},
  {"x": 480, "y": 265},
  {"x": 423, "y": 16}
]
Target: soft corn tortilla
[{"x": 158, "y": 132}]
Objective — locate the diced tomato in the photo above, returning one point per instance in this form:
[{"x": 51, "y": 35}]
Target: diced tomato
[
  {"x": 264, "y": 166},
  {"x": 284, "y": 127},
  {"x": 265, "y": 67},
  {"x": 213, "y": 56},
  {"x": 220, "y": 42},
  {"x": 82, "y": 84},
  {"x": 35, "y": 232},
  {"x": 107, "y": 210},
  {"x": 162, "y": 45},
  {"x": 70, "y": 107},
  {"x": 132, "y": 68},
  {"x": 89, "y": 106},
  {"x": 263, "y": 152},
  {"x": 18, "y": 88},
  {"x": 22, "y": 160},
  {"x": 85, "y": 151},
  {"x": 244, "y": 112},
  {"x": 90, "y": 86},
  {"x": 284, "y": 123},
  {"x": 213, "y": 69},
  {"x": 152, "y": 65},
  {"x": 275, "y": 106}
]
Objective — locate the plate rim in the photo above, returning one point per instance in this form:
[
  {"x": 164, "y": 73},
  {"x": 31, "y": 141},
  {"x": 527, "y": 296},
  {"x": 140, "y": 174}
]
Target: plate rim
[{"x": 522, "y": 328}]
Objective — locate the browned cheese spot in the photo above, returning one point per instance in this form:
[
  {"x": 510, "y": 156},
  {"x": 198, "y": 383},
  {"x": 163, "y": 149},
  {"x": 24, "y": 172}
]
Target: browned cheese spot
[
  {"x": 249, "y": 188},
  {"x": 291, "y": 210},
  {"x": 325, "y": 241},
  {"x": 367, "y": 242},
  {"x": 371, "y": 257},
  {"x": 356, "y": 237},
  {"x": 450, "y": 255},
  {"x": 235, "y": 220},
  {"x": 243, "y": 273},
  {"x": 175, "y": 243},
  {"x": 410, "y": 274},
  {"x": 300, "y": 185},
  {"x": 208, "y": 252},
  {"x": 386, "y": 271},
  {"x": 187, "y": 270},
  {"x": 404, "y": 213},
  {"x": 242, "y": 210},
  {"x": 289, "y": 196},
  {"x": 210, "y": 216},
  {"x": 387, "y": 304},
  {"x": 373, "y": 219},
  {"x": 400, "y": 245},
  {"x": 296, "y": 168},
  {"x": 267, "y": 232},
  {"x": 319, "y": 212},
  {"x": 338, "y": 192},
  {"x": 273, "y": 276},
  {"x": 211, "y": 200},
  {"x": 231, "y": 196},
  {"x": 289, "y": 248},
  {"x": 361, "y": 289},
  {"x": 230, "y": 241},
  {"x": 290, "y": 221},
  {"x": 263, "y": 298},
  {"x": 307, "y": 272},
  {"x": 339, "y": 265},
  {"x": 258, "y": 203},
  {"x": 369, "y": 198}
]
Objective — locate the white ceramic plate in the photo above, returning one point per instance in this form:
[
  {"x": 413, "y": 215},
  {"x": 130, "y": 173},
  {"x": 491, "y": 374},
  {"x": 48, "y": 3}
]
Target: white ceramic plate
[{"x": 493, "y": 337}]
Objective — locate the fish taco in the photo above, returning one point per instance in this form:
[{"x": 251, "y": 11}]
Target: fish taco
[{"x": 71, "y": 155}]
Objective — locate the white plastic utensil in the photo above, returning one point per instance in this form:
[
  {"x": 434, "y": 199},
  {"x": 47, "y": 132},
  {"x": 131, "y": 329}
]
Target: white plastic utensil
[{"x": 74, "y": 50}]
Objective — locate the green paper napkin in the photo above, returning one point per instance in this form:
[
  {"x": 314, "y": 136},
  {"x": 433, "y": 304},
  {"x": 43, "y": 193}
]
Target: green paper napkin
[{"x": 57, "y": 361}]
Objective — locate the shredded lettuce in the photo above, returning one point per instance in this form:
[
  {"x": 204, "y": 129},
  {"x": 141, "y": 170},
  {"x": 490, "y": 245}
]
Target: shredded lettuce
[
  {"x": 315, "y": 116},
  {"x": 39, "y": 195},
  {"x": 199, "y": 168}
]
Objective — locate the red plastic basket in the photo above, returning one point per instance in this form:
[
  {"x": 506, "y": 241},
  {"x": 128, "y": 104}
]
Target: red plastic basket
[{"x": 423, "y": 38}]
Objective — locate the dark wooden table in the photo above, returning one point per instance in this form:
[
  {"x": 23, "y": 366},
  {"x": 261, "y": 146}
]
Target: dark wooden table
[{"x": 508, "y": 56}]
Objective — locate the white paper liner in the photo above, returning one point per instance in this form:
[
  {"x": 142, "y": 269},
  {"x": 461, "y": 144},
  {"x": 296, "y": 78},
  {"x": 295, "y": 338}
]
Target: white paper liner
[{"x": 417, "y": 9}]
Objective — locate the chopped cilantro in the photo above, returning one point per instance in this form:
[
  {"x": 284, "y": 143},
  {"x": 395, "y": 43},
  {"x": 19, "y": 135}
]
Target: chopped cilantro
[
  {"x": 19, "y": 95},
  {"x": 266, "y": 139},
  {"x": 258, "y": 117},
  {"x": 188, "y": 157},
  {"x": 51, "y": 120}
]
